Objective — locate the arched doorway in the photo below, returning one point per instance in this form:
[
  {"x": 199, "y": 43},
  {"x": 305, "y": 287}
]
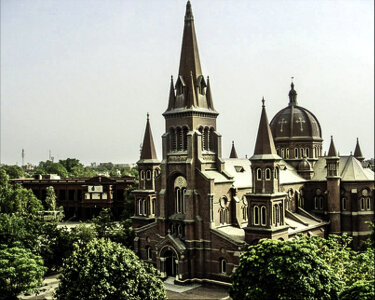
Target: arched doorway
[{"x": 169, "y": 262}]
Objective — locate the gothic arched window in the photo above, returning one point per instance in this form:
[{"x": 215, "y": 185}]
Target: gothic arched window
[
  {"x": 259, "y": 174},
  {"x": 268, "y": 174},
  {"x": 211, "y": 140},
  {"x": 180, "y": 185},
  {"x": 256, "y": 214},
  {"x": 185, "y": 141},
  {"x": 343, "y": 203},
  {"x": 223, "y": 266},
  {"x": 172, "y": 137},
  {"x": 263, "y": 216},
  {"x": 148, "y": 174}
]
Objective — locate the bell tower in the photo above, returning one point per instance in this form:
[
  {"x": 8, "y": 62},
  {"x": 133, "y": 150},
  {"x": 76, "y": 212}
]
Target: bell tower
[{"x": 191, "y": 143}]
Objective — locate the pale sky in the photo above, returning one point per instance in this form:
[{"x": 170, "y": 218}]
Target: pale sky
[{"x": 79, "y": 76}]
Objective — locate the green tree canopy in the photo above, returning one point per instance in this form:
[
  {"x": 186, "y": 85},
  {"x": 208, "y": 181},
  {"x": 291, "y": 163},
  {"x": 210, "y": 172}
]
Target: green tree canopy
[
  {"x": 20, "y": 271},
  {"x": 49, "y": 167},
  {"x": 106, "y": 270},
  {"x": 13, "y": 171},
  {"x": 284, "y": 270}
]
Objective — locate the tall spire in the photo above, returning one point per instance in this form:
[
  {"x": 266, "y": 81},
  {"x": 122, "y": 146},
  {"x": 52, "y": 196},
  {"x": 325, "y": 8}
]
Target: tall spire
[
  {"x": 233, "y": 152},
  {"x": 189, "y": 61},
  {"x": 171, "y": 95},
  {"x": 264, "y": 146},
  {"x": 148, "y": 147},
  {"x": 292, "y": 95},
  {"x": 332, "y": 149},
  {"x": 358, "y": 152}
]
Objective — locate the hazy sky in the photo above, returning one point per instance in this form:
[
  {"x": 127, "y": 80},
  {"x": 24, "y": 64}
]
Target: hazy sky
[{"x": 79, "y": 76}]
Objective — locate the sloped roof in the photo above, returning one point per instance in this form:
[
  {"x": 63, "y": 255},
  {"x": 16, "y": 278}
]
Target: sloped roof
[
  {"x": 233, "y": 152},
  {"x": 350, "y": 169},
  {"x": 243, "y": 179},
  {"x": 148, "y": 146}
]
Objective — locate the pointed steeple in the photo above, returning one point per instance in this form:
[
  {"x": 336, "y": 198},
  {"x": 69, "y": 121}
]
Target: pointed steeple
[
  {"x": 332, "y": 149},
  {"x": 233, "y": 152},
  {"x": 189, "y": 60},
  {"x": 358, "y": 152},
  {"x": 148, "y": 147},
  {"x": 172, "y": 95},
  {"x": 209, "y": 95},
  {"x": 292, "y": 95},
  {"x": 264, "y": 146}
]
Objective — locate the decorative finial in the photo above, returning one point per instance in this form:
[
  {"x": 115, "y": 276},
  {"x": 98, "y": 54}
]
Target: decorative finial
[
  {"x": 171, "y": 77},
  {"x": 292, "y": 84},
  {"x": 148, "y": 116},
  {"x": 351, "y": 153},
  {"x": 263, "y": 102},
  {"x": 232, "y": 142},
  {"x": 357, "y": 140},
  {"x": 331, "y": 137}
]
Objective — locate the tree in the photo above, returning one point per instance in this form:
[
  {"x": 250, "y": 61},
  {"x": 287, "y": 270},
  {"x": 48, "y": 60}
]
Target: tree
[
  {"x": 20, "y": 271},
  {"x": 106, "y": 270},
  {"x": 284, "y": 270},
  {"x": 49, "y": 167},
  {"x": 13, "y": 171},
  {"x": 51, "y": 198},
  {"x": 360, "y": 290}
]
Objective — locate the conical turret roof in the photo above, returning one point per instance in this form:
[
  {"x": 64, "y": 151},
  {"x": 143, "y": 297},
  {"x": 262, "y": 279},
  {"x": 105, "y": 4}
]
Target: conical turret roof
[
  {"x": 148, "y": 147},
  {"x": 358, "y": 152},
  {"x": 332, "y": 149},
  {"x": 264, "y": 146},
  {"x": 233, "y": 152}
]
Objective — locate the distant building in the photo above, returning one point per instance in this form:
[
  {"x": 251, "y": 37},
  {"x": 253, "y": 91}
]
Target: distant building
[
  {"x": 195, "y": 212},
  {"x": 82, "y": 198}
]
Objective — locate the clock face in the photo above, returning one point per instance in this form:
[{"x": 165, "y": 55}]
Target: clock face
[
  {"x": 223, "y": 202},
  {"x": 364, "y": 193}
]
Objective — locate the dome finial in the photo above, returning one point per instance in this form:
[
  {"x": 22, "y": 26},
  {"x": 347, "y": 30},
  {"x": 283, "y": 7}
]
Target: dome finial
[
  {"x": 292, "y": 94},
  {"x": 263, "y": 102},
  {"x": 148, "y": 116}
]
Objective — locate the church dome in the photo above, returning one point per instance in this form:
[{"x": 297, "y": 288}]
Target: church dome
[
  {"x": 304, "y": 165},
  {"x": 295, "y": 122}
]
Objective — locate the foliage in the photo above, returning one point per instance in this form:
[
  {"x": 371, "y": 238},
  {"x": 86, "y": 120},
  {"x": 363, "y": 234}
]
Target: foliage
[
  {"x": 284, "y": 270},
  {"x": 20, "y": 271},
  {"x": 360, "y": 290},
  {"x": 107, "y": 270},
  {"x": 83, "y": 234},
  {"x": 51, "y": 198},
  {"x": 49, "y": 167},
  {"x": 16, "y": 199},
  {"x": 13, "y": 171},
  {"x": 120, "y": 232}
]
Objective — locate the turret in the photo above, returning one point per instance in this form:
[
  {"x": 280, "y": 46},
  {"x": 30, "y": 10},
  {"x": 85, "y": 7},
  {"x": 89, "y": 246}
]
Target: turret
[
  {"x": 233, "y": 152},
  {"x": 358, "y": 152},
  {"x": 333, "y": 189}
]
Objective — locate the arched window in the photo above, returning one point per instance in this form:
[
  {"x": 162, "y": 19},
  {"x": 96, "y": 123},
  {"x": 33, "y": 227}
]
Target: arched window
[
  {"x": 259, "y": 174},
  {"x": 277, "y": 213},
  {"x": 153, "y": 206},
  {"x": 268, "y": 174},
  {"x": 179, "y": 190},
  {"x": 201, "y": 130},
  {"x": 287, "y": 152},
  {"x": 263, "y": 217},
  {"x": 148, "y": 174},
  {"x": 276, "y": 173},
  {"x": 343, "y": 203},
  {"x": 211, "y": 140},
  {"x": 223, "y": 266},
  {"x": 148, "y": 253},
  {"x": 368, "y": 203},
  {"x": 315, "y": 202},
  {"x": 281, "y": 214},
  {"x": 206, "y": 139},
  {"x": 307, "y": 152},
  {"x": 278, "y": 151},
  {"x": 179, "y": 138},
  {"x": 148, "y": 203},
  {"x": 295, "y": 152},
  {"x": 282, "y": 152},
  {"x": 301, "y": 152},
  {"x": 363, "y": 203},
  {"x": 274, "y": 214},
  {"x": 144, "y": 207},
  {"x": 185, "y": 141},
  {"x": 173, "y": 143},
  {"x": 140, "y": 211},
  {"x": 256, "y": 215},
  {"x": 142, "y": 175}
]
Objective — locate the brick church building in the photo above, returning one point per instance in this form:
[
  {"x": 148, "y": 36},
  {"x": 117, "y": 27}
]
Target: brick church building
[{"x": 195, "y": 211}]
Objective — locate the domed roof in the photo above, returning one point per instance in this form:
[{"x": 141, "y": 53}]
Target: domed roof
[
  {"x": 304, "y": 165},
  {"x": 295, "y": 122}
]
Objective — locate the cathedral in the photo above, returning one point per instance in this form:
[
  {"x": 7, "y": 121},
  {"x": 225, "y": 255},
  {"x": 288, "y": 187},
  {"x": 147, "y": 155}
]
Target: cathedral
[{"x": 195, "y": 211}]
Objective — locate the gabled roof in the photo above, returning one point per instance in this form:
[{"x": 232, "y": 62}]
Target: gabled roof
[
  {"x": 148, "y": 146},
  {"x": 264, "y": 146},
  {"x": 350, "y": 169}
]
